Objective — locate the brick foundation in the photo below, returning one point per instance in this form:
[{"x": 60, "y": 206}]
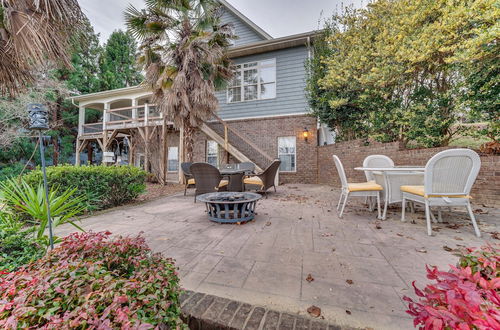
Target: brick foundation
[
  {"x": 265, "y": 132},
  {"x": 486, "y": 189}
]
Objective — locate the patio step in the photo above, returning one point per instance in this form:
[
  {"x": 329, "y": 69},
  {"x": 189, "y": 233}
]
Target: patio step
[
  {"x": 204, "y": 311},
  {"x": 236, "y": 144}
]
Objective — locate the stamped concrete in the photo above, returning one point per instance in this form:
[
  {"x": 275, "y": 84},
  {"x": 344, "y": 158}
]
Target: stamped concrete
[{"x": 360, "y": 267}]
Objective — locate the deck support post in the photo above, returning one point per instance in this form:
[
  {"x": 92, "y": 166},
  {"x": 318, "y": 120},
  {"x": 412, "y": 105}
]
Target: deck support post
[
  {"x": 146, "y": 140},
  {"x": 181, "y": 154},
  {"x": 164, "y": 152},
  {"x": 77, "y": 152}
]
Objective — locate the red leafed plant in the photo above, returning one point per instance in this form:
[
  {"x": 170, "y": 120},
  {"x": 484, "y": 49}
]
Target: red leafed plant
[
  {"x": 93, "y": 281},
  {"x": 466, "y": 297}
]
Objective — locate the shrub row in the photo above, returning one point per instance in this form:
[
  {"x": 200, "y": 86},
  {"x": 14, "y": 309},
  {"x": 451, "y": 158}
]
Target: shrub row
[
  {"x": 93, "y": 281},
  {"x": 100, "y": 186}
]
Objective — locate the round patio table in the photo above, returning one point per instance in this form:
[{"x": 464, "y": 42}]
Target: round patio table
[
  {"x": 392, "y": 178},
  {"x": 235, "y": 178},
  {"x": 230, "y": 207}
]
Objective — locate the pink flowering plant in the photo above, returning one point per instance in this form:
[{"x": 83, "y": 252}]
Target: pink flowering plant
[
  {"x": 93, "y": 281},
  {"x": 466, "y": 297}
]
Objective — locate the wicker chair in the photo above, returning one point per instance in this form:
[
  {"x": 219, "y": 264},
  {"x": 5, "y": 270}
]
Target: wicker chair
[
  {"x": 448, "y": 179},
  {"x": 207, "y": 179},
  {"x": 249, "y": 167},
  {"x": 266, "y": 179},
  {"x": 188, "y": 177},
  {"x": 376, "y": 161}
]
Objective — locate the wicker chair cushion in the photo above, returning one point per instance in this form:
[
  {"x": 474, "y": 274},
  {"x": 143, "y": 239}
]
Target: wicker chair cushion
[
  {"x": 419, "y": 191},
  {"x": 364, "y": 186},
  {"x": 253, "y": 180},
  {"x": 191, "y": 181},
  {"x": 223, "y": 183}
]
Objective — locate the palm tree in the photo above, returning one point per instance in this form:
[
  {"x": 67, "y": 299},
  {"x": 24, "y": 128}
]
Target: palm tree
[
  {"x": 33, "y": 32},
  {"x": 183, "y": 51}
]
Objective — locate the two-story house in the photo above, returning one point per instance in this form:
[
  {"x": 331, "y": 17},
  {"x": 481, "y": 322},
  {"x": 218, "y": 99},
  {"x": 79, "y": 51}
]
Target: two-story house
[{"x": 262, "y": 115}]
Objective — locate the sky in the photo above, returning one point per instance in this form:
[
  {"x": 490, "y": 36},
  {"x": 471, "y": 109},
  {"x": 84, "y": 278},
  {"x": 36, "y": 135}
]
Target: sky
[{"x": 277, "y": 17}]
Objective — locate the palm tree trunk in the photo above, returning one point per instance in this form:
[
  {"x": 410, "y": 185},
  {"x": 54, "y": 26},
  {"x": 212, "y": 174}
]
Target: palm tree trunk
[{"x": 188, "y": 140}]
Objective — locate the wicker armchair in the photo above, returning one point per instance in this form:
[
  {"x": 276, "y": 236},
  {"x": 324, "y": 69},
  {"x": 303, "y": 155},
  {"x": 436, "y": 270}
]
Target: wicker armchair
[
  {"x": 188, "y": 177},
  {"x": 207, "y": 179},
  {"x": 266, "y": 179},
  {"x": 249, "y": 167}
]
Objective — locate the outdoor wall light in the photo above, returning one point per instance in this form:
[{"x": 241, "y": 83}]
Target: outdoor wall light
[{"x": 305, "y": 134}]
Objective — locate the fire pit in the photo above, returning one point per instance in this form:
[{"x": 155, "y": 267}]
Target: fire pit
[{"x": 230, "y": 207}]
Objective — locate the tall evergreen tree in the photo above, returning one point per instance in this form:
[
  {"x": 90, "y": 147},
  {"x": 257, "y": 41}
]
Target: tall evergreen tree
[{"x": 118, "y": 62}]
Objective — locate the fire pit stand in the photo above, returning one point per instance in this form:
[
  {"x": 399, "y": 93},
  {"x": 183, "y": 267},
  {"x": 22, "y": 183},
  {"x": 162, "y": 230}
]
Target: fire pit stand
[{"x": 230, "y": 207}]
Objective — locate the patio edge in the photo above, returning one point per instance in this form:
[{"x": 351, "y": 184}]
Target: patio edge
[{"x": 205, "y": 311}]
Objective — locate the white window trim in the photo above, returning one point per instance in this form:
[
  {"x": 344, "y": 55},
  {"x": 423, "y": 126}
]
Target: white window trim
[
  {"x": 168, "y": 159},
  {"x": 295, "y": 154},
  {"x": 217, "y": 153},
  {"x": 242, "y": 85}
]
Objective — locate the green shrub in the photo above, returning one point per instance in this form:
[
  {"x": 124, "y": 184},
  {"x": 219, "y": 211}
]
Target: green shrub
[
  {"x": 10, "y": 170},
  {"x": 30, "y": 206},
  {"x": 17, "y": 247},
  {"x": 100, "y": 186},
  {"x": 93, "y": 281}
]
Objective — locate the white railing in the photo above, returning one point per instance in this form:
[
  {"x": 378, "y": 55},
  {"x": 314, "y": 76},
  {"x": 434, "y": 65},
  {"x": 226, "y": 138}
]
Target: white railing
[{"x": 128, "y": 117}]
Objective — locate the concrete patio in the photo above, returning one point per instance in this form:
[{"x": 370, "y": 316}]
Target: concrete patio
[{"x": 298, "y": 253}]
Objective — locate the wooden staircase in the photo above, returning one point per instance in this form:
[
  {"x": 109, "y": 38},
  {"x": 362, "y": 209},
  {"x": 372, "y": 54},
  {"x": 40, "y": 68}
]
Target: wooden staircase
[{"x": 236, "y": 144}]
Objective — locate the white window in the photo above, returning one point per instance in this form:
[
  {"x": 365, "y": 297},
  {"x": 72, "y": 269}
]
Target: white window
[
  {"x": 173, "y": 159},
  {"x": 253, "y": 81},
  {"x": 212, "y": 153},
  {"x": 287, "y": 153}
]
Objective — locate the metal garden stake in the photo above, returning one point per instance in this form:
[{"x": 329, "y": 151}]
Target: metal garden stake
[{"x": 39, "y": 120}]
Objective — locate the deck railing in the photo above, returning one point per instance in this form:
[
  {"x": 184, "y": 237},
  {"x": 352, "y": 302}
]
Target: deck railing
[{"x": 127, "y": 117}]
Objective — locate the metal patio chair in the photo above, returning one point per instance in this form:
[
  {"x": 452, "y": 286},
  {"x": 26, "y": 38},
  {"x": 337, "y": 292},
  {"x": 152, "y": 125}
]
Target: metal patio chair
[{"x": 448, "y": 179}]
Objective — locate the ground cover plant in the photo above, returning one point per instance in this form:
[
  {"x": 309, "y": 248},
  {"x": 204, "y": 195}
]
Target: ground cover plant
[
  {"x": 99, "y": 187},
  {"x": 93, "y": 281},
  {"x": 466, "y": 297}
]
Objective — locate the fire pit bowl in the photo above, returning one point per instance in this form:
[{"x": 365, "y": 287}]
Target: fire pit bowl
[{"x": 230, "y": 207}]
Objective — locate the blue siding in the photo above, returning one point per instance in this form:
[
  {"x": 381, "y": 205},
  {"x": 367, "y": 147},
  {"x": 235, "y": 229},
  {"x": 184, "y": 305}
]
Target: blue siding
[
  {"x": 245, "y": 33},
  {"x": 290, "y": 87}
]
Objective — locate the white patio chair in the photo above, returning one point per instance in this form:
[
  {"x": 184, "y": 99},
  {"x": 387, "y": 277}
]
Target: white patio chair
[
  {"x": 376, "y": 161},
  {"x": 448, "y": 179},
  {"x": 364, "y": 189}
]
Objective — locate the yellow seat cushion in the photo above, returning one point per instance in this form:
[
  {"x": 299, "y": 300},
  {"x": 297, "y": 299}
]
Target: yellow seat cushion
[
  {"x": 364, "y": 186},
  {"x": 419, "y": 191},
  {"x": 253, "y": 180},
  {"x": 223, "y": 183},
  {"x": 191, "y": 181}
]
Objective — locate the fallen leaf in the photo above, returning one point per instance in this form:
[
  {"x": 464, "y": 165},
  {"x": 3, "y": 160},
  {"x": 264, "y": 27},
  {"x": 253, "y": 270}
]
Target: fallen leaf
[
  {"x": 351, "y": 282},
  {"x": 453, "y": 226},
  {"x": 458, "y": 238},
  {"x": 314, "y": 311},
  {"x": 333, "y": 249},
  {"x": 421, "y": 250},
  {"x": 268, "y": 223},
  {"x": 309, "y": 278},
  {"x": 400, "y": 235},
  {"x": 447, "y": 248},
  {"x": 348, "y": 312},
  {"x": 495, "y": 235},
  {"x": 326, "y": 235},
  {"x": 377, "y": 225}
]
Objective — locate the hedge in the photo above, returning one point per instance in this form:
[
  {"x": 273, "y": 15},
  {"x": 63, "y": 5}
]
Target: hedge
[
  {"x": 93, "y": 281},
  {"x": 100, "y": 186}
]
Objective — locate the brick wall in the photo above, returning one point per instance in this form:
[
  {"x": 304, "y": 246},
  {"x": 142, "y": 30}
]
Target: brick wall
[
  {"x": 265, "y": 132},
  {"x": 486, "y": 189}
]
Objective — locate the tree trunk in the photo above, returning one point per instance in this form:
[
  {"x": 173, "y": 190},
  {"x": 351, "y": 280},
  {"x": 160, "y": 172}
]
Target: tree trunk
[
  {"x": 90, "y": 153},
  {"x": 55, "y": 154},
  {"x": 188, "y": 140}
]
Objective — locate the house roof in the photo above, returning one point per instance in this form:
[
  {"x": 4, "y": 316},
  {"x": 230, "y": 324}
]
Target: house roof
[
  {"x": 246, "y": 20},
  {"x": 301, "y": 39}
]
